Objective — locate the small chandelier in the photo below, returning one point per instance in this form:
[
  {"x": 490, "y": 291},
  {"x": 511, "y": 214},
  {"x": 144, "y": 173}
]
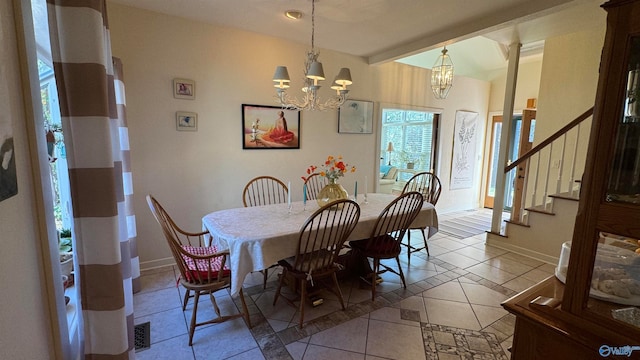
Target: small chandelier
[
  {"x": 442, "y": 75},
  {"x": 313, "y": 73}
]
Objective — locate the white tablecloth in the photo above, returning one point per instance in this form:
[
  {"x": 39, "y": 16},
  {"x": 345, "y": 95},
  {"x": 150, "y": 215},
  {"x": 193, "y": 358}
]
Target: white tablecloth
[{"x": 259, "y": 236}]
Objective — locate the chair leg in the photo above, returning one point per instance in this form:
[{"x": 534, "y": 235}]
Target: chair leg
[
  {"x": 186, "y": 299},
  {"x": 376, "y": 269},
  {"x": 337, "y": 285},
  {"x": 245, "y": 310},
  {"x": 214, "y": 303},
  {"x": 265, "y": 275},
  {"x": 409, "y": 246},
  {"x": 282, "y": 276},
  {"x": 192, "y": 328},
  {"x": 404, "y": 284},
  {"x": 424, "y": 237},
  {"x": 303, "y": 296}
]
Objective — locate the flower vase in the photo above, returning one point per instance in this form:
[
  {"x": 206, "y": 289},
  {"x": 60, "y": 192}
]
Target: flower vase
[{"x": 331, "y": 192}]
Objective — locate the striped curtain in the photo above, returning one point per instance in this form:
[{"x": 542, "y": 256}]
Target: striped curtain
[{"x": 92, "y": 107}]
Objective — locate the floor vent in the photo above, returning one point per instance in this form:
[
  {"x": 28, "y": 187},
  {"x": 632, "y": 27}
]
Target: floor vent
[{"x": 142, "y": 339}]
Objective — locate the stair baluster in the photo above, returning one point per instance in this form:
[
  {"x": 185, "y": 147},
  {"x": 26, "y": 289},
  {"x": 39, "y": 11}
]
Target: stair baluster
[
  {"x": 573, "y": 162},
  {"x": 546, "y": 183}
]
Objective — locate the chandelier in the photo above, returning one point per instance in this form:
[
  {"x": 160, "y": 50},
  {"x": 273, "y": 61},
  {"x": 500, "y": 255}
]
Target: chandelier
[
  {"x": 442, "y": 75},
  {"x": 313, "y": 73}
]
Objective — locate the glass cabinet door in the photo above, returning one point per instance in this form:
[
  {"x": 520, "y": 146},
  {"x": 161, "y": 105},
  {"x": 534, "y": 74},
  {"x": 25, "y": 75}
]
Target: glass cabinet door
[{"x": 624, "y": 178}]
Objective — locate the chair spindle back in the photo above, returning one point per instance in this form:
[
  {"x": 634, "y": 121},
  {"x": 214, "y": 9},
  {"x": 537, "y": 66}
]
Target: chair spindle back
[
  {"x": 425, "y": 183},
  {"x": 264, "y": 190}
]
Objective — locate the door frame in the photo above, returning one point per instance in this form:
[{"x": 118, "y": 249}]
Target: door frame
[
  {"x": 524, "y": 146},
  {"x": 493, "y": 119}
]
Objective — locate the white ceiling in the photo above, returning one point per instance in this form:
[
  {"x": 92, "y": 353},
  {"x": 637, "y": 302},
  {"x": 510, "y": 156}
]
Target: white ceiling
[{"x": 477, "y": 33}]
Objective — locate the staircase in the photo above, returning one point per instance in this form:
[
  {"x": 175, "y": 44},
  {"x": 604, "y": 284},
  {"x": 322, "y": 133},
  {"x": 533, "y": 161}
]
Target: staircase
[{"x": 545, "y": 218}]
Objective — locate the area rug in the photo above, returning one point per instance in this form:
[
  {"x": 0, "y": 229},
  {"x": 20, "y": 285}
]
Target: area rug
[
  {"x": 444, "y": 341},
  {"x": 465, "y": 226}
]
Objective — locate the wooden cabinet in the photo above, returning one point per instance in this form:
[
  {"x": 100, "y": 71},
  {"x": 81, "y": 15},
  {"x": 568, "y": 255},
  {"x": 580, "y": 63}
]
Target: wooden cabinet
[{"x": 573, "y": 319}]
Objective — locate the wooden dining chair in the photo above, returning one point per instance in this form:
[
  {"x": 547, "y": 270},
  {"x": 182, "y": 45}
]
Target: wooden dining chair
[
  {"x": 202, "y": 268},
  {"x": 264, "y": 190},
  {"x": 429, "y": 186},
  {"x": 315, "y": 183},
  {"x": 386, "y": 236},
  {"x": 321, "y": 238}
]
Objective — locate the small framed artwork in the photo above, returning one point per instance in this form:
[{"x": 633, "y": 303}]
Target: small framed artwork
[
  {"x": 186, "y": 121},
  {"x": 270, "y": 127},
  {"x": 184, "y": 89},
  {"x": 355, "y": 117}
]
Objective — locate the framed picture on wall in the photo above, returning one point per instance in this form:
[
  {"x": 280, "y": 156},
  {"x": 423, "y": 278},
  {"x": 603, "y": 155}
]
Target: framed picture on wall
[
  {"x": 186, "y": 121},
  {"x": 355, "y": 117},
  {"x": 464, "y": 150},
  {"x": 184, "y": 89},
  {"x": 270, "y": 127}
]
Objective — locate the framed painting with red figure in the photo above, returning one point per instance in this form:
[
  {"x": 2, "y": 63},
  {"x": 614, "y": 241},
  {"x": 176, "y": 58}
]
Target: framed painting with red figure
[{"x": 270, "y": 127}]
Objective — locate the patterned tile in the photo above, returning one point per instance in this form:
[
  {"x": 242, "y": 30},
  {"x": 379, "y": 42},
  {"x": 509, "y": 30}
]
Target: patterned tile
[{"x": 442, "y": 342}]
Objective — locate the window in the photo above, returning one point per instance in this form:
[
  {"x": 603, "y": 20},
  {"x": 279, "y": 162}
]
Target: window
[
  {"x": 413, "y": 134},
  {"x": 55, "y": 146},
  {"x": 58, "y": 168}
]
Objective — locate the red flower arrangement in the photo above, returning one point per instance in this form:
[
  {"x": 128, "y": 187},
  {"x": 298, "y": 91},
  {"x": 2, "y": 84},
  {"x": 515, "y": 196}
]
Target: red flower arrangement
[{"x": 332, "y": 168}]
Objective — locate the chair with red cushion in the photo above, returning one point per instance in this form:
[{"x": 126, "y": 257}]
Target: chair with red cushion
[
  {"x": 429, "y": 186},
  {"x": 200, "y": 266},
  {"x": 384, "y": 242},
  {"x": 321, "y": 238}
]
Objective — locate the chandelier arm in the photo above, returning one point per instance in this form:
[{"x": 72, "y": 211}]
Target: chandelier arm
[{"x": 310, "y": 101}]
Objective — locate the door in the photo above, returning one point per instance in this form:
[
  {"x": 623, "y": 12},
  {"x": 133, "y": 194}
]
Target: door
[{"x": 521, "y": 141}]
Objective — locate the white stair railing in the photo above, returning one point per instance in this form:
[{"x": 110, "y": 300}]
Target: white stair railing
[{"x": 542, "y": 172}]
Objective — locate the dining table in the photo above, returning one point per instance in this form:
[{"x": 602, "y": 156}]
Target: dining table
[{"x": 258, "y": 237}]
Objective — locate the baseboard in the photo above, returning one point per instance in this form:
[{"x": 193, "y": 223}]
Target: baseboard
[
  {"x": 503, "y": 243},
  {"x": 149, "y": 265}
]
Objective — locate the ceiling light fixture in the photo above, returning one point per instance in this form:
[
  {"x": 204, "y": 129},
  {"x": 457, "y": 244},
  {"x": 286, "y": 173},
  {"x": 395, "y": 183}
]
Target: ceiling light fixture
[
  {"x": 293, "y": 14},
  {"x": 312, "y": 74},
  {"x": 442, "y": 75}
]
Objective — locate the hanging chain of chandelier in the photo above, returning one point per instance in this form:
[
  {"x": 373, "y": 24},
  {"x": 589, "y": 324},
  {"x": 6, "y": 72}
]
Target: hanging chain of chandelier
[{"x": 313, "y": 74}]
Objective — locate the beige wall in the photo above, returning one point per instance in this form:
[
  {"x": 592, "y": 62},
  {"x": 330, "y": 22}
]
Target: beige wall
[
  {"x": 194, "y": 173},
  {"x": 569, "y": 77},
  {"x": 526, "y": 88},
  {"x": 24, "y": 325}
]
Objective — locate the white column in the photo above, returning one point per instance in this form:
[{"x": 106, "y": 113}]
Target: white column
[{"x": 507, "y": 116}]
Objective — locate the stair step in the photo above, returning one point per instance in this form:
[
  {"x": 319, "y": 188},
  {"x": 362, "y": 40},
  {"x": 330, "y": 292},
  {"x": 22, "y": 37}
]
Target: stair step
[
  {"x": 497, "y": 234},
  {"x": 514, "y": 222},
  {"x": 540, "y": 209},
  {"x": 565, "y": 195}
]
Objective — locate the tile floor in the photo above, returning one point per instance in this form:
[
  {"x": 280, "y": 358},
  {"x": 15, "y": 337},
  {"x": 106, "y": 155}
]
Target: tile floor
[{"x": 450, "y": 310}]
